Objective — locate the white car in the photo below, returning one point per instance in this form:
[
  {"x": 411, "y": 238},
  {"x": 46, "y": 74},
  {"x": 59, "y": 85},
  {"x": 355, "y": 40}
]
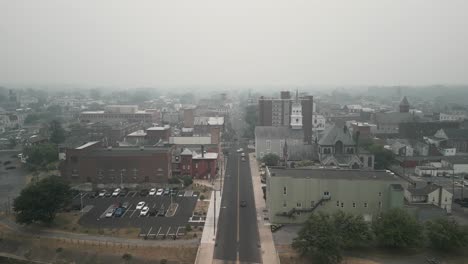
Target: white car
[
  {"x": 110, "y": 213},
  {"x": 144, "y": 211},
  {"x": 102, "y": 193},
  {"x": 160, "y": 192},
  {"x": 240, "y": 150},
  {"x": 140, "y": 205},
  {"x": 152, "y": 191},
  {"x": 116, "y": 192}
]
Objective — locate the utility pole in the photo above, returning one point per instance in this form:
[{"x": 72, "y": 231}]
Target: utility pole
[{"x": 214, "y": 215}]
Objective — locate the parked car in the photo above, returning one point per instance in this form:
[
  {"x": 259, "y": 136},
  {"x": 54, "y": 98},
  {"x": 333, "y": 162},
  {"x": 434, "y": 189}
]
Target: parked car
[
  {"x": 110, "y": 213},
  {"x": 125, "y": 205},
  {"x": 240, "y": 150},
  {"x": 243, "y": 159},
  {"x": 119, "y": 212},
  {"x": 102, "y": 193},
  {"x": 140, "y": 205},
  {"x": 123, "y": 192},
  {"x": 152, "y": 191},
  {"x": 144, "y": 192},
  {"x": 116, "y": 192},
  {"x": 152, "y": 212},
  {"x": 144, "y": 211},
  {"x": 160, "y": 192},
  {"x": 161, "y": 212},
  {"x": 108, "y": 194},
  {"x": 93, "y": 194},
  {"x": 167, "y": 191}
]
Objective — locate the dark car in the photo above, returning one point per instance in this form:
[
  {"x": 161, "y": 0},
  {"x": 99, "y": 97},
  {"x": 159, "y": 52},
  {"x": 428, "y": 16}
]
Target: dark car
[
  {"x": 93, "y": 194},
  {"x": 167, "y": 191},
  {"x": 243, "y": 203},
  {"x": 123, "y": 192},
  {"x": 161, "y": 212},
  {"x": 144, "y": 192},
  {"x": 119, "y": 212},
  {"x": 153, "y": 212}
]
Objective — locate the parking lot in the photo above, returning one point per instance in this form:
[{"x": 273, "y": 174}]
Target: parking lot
[{"x": 168, "y": 224}]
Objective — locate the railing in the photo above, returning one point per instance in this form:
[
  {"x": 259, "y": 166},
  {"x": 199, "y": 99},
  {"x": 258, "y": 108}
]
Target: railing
[{"x": 291, "y": 212}]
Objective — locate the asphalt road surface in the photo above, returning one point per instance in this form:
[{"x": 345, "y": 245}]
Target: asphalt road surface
[{"x": 237, "y": 236}]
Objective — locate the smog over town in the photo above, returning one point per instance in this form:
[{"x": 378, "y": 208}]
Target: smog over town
[{"x": 234, "y": 131}]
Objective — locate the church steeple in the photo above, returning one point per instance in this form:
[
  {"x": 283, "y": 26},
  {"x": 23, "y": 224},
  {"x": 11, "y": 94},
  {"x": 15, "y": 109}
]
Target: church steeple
[{"x": 296, "y": 113}]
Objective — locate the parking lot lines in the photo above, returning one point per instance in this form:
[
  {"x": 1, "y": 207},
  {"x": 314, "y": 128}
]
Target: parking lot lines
[{"x": 133, "y": 213}]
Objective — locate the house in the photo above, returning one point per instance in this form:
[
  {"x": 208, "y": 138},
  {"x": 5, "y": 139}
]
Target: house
[
  {"x": 200, "y": 165},
  {"x": 451, "y": 138},
  {"x": 338, "y": 148},
  {"x": 401, "y": 147},
  {"x": 456, "y": 165},
  {"x": 292, "y": 195},
  {"x": 430, "y": 194}
]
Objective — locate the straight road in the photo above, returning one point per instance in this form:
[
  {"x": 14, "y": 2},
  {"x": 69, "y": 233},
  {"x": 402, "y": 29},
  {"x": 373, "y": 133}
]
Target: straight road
[{"x": 237, "y": 237}]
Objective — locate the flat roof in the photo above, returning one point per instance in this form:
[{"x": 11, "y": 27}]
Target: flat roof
[
  {"x": 326, "y": 173},
  {"x": 159, "y": 128},
  {"x": 127, "y": 151}
]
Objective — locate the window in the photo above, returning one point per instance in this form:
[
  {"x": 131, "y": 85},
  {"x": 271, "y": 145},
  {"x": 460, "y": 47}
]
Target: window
[
  {"x": 285, "y": 204},
  {"x": 337, "y": 203},
  {"x": 365, "y": 204},
  {"x": 299, "y": 205},
  {"x": 196, "y": 165},
  {"x": 268, "y": 144},
  {"x": 354, "y": 205},
  {"x": 342, "y": 205},
  {"x": 380, "y": 204},
  {"x": 445, "y": 198},
  {"x": 380, "y": 193},
  {"x": 284, "y": 191},
  {"x": 326, "y": 193}
]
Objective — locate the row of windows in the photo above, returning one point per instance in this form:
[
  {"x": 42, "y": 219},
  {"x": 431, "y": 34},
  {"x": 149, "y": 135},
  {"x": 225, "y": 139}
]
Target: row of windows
[
  {"x": 338, "y": 204},
  {"x": 326, "y": 193}
]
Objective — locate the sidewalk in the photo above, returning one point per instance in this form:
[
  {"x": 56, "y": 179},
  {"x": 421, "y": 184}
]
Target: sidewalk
[
  {"x": 207, "y": 244},
  {"x": 268, "y": 250}
]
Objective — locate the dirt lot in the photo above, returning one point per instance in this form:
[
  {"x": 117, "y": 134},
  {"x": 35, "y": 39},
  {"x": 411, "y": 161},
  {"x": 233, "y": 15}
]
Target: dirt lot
[
  {"x": 69, "y": 222},
  {"x": 65, "y": 251}
]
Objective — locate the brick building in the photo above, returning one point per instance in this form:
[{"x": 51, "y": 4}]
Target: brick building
[
  {"x": 121, "y": 112},
  {"x": 93, "y": 163},
  {"x": 155, "y": 134},
  {"x": 202, "y": 165}
]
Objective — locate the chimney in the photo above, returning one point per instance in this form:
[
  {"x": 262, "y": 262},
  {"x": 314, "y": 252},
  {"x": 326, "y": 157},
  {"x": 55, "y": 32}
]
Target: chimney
[{"x": 202, "y": 151}]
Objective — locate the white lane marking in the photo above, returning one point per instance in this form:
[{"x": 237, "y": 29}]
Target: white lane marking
[{"x": 133, "y": 213}]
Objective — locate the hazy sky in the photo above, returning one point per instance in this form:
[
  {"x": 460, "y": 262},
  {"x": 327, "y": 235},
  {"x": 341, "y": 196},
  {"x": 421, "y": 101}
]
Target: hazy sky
[{"x": 237, "y": 42}]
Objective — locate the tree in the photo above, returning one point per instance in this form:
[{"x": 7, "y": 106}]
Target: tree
[
  {"x": 353, "y": 230},
  {"x": 41, "y": 155},
  {"x": 270, "y": 159},
  {"x": 397, "y": 228},
  {"x": 319, "y": 239},
  {"x": 57, "y": 134},
  {"x": 39, "y": 202},
  {"x": 127, "y": 257},
  {"x": 383, "y": 157},
  {"x": 446, "y": 234}
]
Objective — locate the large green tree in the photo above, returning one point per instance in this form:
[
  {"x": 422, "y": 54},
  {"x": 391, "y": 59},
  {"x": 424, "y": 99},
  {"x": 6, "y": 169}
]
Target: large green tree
[
  {"x": 319, "y": 239},
  {"x": 41, "y": 155},
  {"x": 39, "y": 202},
  {"x": 397, "y": 229},
  {"x": 271, "y": 159},
  {"x": 383, "y": 157},
  {"x": 57, "y": 133},
  {"x": 353, "y": 230},
  {"x": 446, "y": 234}
]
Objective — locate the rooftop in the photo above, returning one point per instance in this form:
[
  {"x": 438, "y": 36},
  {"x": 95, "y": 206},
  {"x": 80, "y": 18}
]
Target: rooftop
[
  {"x": 336, "y": 133},
  {"x": 91, "y": 143},
  {"x": 159, "y": 128},
  {"x": 326, "y": 173},
  {"x": 429, "y": 188}
]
